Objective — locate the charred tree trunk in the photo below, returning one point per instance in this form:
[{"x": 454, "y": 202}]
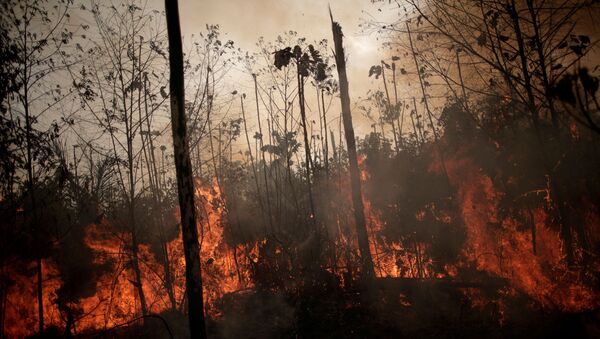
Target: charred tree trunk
[
  {"x": 183, "y": 168},
  {"x": 359, "y": 213}
]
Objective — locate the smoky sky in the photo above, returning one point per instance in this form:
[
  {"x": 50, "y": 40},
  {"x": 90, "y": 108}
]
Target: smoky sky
[{"x": 244, "y": 21}]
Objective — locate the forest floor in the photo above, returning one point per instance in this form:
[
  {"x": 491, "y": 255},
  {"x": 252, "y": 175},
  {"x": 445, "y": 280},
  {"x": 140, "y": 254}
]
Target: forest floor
[{"x": 388, "y": 308}]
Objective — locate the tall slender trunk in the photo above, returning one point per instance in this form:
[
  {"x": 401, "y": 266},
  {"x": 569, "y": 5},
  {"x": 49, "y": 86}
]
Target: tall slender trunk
[
  {"x": 389, "y": 106},
  {"x": 419, "y": 126},
  {"x": 135, "y": 258},
  {"x": 531, "y": 221},
  {"x": 462, "y": 83},
  {"x": 523, "y": 58},
  {"x": 185, "y": 182},
  {"x": 396, "y": 105},
  {"x": 254, "y": 172},
  {"x": 413, "y": 115},
  {"x": 25, "y": 100},
  {"x": 326, "y": 150},
  {"x": 562, "y": 209},
  {"x": 131, "y": 208},
  {"x": 132, "y": 223},
  {"x": 320, "y": 121},
  {"x": 359, "y": 213},
  {"x": 30, "y": 187},
  {"x": 306, "y": 143},
  {"x": 426, "y": 102},
  {"x": 153, "y": 170},
  {"x": 333, "y": 146},
  {"x": 265, "y": 168}
]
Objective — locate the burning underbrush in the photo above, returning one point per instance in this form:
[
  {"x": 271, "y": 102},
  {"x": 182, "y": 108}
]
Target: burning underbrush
[
  {"x": 112, "y": 299},
  {"x": 529, "y": 257},
  {"x": 447, "y": 255}
]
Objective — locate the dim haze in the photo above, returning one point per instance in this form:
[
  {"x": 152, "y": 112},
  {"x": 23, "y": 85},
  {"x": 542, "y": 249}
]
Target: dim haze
[
  {"x": 200, "y": 183},
  {"x": 245, "y": 21}
]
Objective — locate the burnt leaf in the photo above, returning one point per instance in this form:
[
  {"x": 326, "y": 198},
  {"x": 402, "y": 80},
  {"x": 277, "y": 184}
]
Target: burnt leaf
[
  {"x": 563, "y": 90},
  {"x": 316, "y": 56},
  {"x": 482, "y": 39},
  {"x": 321, "y": 72},
  {"x": 375, "y": 70},
  {"x": 590, "y": 83},
  {"x": 283, "y": 57}
]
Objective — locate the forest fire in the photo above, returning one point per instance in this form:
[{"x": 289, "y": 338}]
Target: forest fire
[
  {"x": 530, "y": 257},
  {"x": 158, "y": 180},
  {"x": 226, "y": 268},
  {"x": 114, "y": 299},
  {"x": 507, "y": 251},
  {"x": 392, "y": 259}
]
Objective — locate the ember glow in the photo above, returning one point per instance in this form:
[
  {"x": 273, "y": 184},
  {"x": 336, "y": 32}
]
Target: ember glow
[
  {"x": 115, "y": 300},
  {"x": 430, "y": 172},
  {"x": 537, "y": 267},
  {"x": 503, "y": 251}
]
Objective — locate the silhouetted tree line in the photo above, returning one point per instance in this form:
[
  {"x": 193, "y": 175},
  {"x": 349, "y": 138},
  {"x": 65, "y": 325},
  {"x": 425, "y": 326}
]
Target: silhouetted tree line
[{"x": 341, "y": 235}]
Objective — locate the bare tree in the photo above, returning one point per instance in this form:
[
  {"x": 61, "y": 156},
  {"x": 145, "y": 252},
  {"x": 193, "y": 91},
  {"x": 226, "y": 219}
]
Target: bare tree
[
  {"x": 122, "y": 102},
  {"x": 359, "y": 213},
  {"x": 185, "y": 183},
  {"x": 38, "y": 33}
]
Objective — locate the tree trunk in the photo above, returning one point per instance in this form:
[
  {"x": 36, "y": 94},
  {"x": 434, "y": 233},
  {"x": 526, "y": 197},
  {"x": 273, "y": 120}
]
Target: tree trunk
[
  {"x": 326, "y": 150},
  {"x": 306, "y": 144},
  {"x": 254, "y": 171},
  {"x": 30, "y": 186},
  {"x": 389, "y": 106},
  {"x": 398, "y": 118},
  {"x": 413, "y": 113},
  {"x": 426, "y": 102},
  {"x": 158, "y": 202},
  {"x": 562, "y": 214},
  {"x": 265, "y": 168},
  {"x": 359, "y": 213},
  {"x": 183, "y": 168}
]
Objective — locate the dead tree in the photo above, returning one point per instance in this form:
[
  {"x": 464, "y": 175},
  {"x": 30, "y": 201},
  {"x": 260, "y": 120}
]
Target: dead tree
[
  {"x": 359, "y": 213},
  {"x": 183, "y": 168}
]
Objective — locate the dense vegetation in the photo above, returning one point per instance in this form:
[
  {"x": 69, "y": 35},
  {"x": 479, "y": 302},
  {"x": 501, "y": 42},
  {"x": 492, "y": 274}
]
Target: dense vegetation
[{"x": 469, "y": 208}]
